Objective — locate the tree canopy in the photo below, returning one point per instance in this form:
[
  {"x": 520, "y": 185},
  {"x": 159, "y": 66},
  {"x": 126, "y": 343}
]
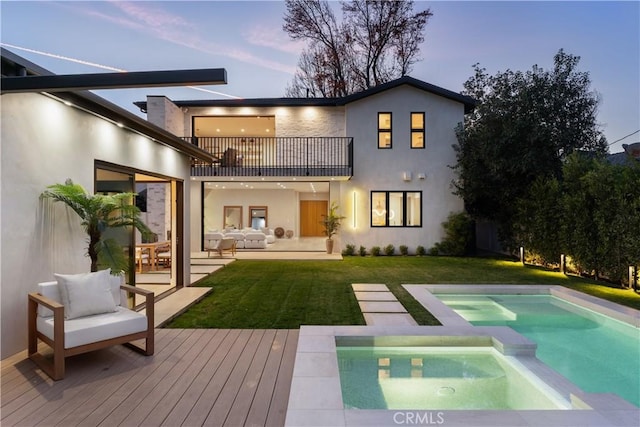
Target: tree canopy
[
  {"x": 377, "y": 41},
  {"x": 524, "y": 127},
  {"x": 592, "y": 215}
]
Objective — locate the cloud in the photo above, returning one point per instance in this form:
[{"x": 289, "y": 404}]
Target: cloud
[
  {"x": 152, "y": 17},
  {"x": 144, "y": 17},
  {"x": 273, "y": 38}
]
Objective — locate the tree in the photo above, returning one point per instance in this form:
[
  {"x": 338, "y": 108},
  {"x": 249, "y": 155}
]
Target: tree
[
  {"x": 376, "y": 42},
  {"x": 523, "y": 128},
  {"x": 601, "y": 205},
  {"x": 540, "y": 220},
  {"x": 97, "y": 213}
]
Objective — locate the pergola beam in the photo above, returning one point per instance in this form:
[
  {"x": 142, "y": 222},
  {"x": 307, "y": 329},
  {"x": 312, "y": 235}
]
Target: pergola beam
[{"x": 135, "y": 79}]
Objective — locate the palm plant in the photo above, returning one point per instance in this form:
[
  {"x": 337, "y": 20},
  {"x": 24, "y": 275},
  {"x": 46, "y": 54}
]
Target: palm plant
[
  {"x": 98, "y": 213},
  {"x": 331, "y": 223}
]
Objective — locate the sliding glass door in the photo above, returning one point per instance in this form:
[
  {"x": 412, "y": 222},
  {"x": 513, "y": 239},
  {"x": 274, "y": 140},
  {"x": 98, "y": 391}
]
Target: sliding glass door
[{"x": 155, "y": 261}]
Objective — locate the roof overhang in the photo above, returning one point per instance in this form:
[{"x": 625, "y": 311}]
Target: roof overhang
[
  {"x": 139, "y": 79},
  {"x": 96, "y": 105},
  {"x": 103, "y": 108}
]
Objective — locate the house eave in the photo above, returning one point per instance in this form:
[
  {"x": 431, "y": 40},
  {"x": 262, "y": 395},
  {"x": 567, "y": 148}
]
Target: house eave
[{"x": 94, "y": 104}]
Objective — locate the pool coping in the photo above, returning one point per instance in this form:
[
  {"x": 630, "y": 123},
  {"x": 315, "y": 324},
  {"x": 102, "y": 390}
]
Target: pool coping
[{"x": 316, "y": 398}]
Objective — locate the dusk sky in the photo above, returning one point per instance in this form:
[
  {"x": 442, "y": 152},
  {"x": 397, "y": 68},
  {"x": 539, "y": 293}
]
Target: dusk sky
[{"x": 246, "y": 38}]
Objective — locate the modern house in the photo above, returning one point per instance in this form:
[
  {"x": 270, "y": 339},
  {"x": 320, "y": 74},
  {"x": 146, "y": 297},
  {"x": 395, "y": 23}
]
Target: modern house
[
  {"x": 382, "y": 155},
  {"x": 50, "y": 135}
]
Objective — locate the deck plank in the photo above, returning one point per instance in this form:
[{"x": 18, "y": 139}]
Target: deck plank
[
  {"x": 246, "y": 392},
  {"x": 196, "y": 377},
  {"x": 210, "y": 394},
  {"x": 257, "y": 415},
  {"x": 152, "y": 386},
  {"x": 181, "y": 387},
  {"x": 222, "y": 406},
  {"x": 185, "y": 405},
  {"x": 280, "y": 399},
  {"x": 126, "y": 386},
  {"x": 82, "y": 389}
]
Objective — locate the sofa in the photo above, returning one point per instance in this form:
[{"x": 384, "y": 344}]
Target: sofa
[
  {"x": 245, "y": 239},
  {"x": 255, "y": 240}
]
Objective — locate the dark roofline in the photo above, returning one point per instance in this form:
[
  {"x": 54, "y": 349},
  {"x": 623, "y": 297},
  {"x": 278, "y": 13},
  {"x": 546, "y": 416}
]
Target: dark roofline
[
  {"x": 101, "y": 107},
  {"x": 135, "y": 79},
  {"x": 469, "y": 103}
]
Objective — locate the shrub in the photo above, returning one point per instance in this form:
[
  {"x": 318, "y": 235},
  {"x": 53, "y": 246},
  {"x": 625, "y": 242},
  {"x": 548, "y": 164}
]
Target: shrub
[
  {"x": 375, "y": 251},
  {"x": 404, "y": 250},
  {"x": 389, "y": 250},
  {"x": 350, "y": 250},
  {"x": 458, "y": 239},
  {"x": 434, "y": 251},
  {"x": 420, "y": 251},
  {"x": 362, "y": 251}
]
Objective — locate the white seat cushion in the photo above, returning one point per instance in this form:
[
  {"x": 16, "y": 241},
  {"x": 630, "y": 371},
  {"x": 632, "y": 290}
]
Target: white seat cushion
[{"x": 90, "y": 329}]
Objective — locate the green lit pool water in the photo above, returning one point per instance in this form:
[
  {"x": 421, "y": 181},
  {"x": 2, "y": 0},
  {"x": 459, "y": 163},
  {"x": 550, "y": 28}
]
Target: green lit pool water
[
  {"x": 595, "y": 352},
  {"x": 438, "y": 378}
]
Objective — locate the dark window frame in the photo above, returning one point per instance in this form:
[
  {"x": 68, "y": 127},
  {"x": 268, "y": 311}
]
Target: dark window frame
[
  {"x": 383, "y": 130},
  {"x": 418, "y": 130},
  {"x": 386, "y": 208}
]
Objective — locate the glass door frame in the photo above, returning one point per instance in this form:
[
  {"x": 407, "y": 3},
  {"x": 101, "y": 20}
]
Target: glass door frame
[{"x": 177, "y": 191}]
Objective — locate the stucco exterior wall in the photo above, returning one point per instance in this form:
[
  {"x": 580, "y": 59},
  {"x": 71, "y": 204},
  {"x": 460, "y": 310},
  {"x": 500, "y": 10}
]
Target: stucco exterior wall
[
  {"x": 45, "y": 142},
  {"x": 382, "y": 169},
  {"x": 374, "y": 169}
]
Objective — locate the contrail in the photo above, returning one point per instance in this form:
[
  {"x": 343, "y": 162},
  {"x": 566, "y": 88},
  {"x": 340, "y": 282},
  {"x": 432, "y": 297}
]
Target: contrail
[
  {"x": 104, "y": 67},
  {"x": 65, "y": 58}
]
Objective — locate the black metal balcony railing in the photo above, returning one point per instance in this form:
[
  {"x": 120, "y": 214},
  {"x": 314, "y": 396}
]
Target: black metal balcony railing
[{"x": 275, "y": 156}]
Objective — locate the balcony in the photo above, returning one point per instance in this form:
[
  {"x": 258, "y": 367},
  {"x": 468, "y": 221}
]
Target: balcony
[{"x": 275, "y": 156}]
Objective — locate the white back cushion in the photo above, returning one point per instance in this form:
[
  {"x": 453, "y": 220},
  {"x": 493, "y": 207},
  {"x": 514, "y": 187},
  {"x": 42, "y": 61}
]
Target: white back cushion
[
  {"x": 86, "y": 294},
  {"x": 51, "y": 290}
]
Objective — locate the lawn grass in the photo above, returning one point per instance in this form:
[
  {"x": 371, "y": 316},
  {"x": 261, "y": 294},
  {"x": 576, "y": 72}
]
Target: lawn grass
[{"x": 287, "y": 294}]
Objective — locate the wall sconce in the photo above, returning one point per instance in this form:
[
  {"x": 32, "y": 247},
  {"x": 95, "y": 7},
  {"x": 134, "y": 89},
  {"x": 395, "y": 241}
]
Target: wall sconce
[
  {"x": 355, "y": 211},
  {"x": 422, "y": 176},
  {"x": 406, "y": 176}
]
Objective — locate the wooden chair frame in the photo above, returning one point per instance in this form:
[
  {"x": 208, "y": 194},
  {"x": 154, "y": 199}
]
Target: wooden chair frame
[{"x": 56, "y": 368}]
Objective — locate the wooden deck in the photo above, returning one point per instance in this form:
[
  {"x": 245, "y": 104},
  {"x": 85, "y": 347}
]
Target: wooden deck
[{"x": 197, "y": 377}]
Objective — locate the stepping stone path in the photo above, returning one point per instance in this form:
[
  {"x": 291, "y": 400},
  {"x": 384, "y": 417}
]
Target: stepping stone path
[{"x": 379, "y": 306}]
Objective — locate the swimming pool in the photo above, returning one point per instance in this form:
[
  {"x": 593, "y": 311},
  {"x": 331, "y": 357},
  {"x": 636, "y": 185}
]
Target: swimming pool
[
  {"x": 596, "y": 352},
  {"x": 439, "y": 378}
]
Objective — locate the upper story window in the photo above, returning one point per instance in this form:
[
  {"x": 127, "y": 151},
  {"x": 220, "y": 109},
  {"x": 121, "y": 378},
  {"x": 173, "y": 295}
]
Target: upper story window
[
  {"x": 384, "y": 130},
  {"x": 396, "y": 208},
  {"x": 417, "y": 130}
]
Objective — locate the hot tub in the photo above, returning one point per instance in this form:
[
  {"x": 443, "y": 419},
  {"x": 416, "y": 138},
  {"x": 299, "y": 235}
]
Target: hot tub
[{"x": 439, "y": 378}]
